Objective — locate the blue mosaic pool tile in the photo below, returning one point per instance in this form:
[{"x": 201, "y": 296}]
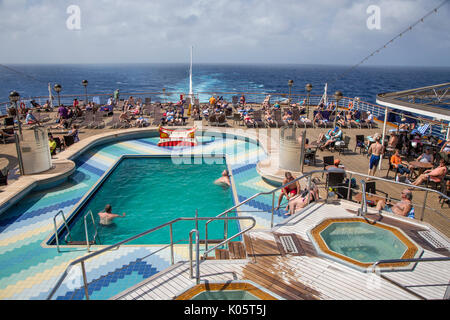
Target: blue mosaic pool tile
[{"x": 141, "y": 268}]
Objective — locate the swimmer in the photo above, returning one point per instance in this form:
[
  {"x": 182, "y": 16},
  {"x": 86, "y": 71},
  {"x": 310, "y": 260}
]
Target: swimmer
[
  {"x": 107, "y": 217},
  {"x": 224, "y": 179}
]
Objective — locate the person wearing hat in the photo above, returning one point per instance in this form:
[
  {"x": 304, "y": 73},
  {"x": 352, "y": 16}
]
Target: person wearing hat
[{"x": 376, "y": 151}]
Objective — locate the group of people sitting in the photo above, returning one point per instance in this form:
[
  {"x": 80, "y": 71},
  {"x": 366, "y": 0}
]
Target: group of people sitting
[{"x": 297, "y": 197}]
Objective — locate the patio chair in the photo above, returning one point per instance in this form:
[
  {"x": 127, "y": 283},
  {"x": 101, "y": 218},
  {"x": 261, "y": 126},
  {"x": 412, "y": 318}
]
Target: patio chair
[
  {"x": 68, "y": 140},
  {"x": 4, "y": 177},
  {"x": 360, "y": 143},
  {"x": 277, "y": 118},
  {"x": 212, "y": 120},
  {"x": 257, "y": 117},
  {"x": 237, "y": 118},
  {"x": 342, "y": 145},
  {"x": 4, "y": 138},
  {"x": 222, "y": 120},
  {"x": 327, "y": 161}
]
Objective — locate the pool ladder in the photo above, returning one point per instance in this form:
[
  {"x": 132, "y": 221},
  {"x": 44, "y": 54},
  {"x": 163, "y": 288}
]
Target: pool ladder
[{"x": 69, "y": 235}]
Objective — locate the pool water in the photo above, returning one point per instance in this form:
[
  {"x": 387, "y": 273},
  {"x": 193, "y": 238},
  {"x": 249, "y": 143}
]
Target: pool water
[
  {"x": 153, "y": 191},
  {"x": 363, "y": 242},
  {"x": 225, "y": 295}
]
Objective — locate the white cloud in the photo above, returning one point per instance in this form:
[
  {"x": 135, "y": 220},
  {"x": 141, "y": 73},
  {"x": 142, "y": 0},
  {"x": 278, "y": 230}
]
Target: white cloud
[{"x": 289, "y": 31}]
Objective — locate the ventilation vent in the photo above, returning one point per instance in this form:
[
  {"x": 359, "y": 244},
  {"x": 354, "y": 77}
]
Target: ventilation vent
[
  {"x": 288, "y": 244},
  {"x": 437, "y": 241}
]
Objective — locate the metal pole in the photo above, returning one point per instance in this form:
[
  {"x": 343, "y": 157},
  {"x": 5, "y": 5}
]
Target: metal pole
[
  {"x": 19, "y": 124},
  {"x": 83, "y": 269},
  {"x": 85, "y": 91},
  {"x": 307, "y": 108},
  {"x": 19, "y": 154},
  {"x": 423, "y": 207},
  {"x": 349, "y": 186},
  {"x": 171, "y": 244},
  {"x": 384, "y": 134},
  {"x": 302, "y": 150},
  {"x": 273, "y": 207}
]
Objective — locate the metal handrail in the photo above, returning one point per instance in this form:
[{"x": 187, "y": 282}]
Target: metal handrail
[
  {"x": 335, "y": 170},
  {"x": 110, "y": 247},
  {"x": 405, "y": 185},
  {"x": 310, "y": 173},
  {"x": 60, "y": 212},
  {"x": 417, "y": 260},
  {"x": 88, "y": 245},
  {"x": 408, "y": 260}
]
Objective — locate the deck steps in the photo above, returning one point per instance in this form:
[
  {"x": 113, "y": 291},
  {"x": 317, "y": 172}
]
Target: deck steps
[
  {"x": 222, "y": 254},
  {"x": 236, "y": 250}
]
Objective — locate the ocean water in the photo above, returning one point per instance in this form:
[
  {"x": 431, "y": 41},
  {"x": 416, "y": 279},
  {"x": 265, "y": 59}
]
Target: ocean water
[{"x": 365, "y": 82}]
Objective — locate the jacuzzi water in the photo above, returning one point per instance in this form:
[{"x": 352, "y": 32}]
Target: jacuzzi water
[
  {"x": 152, "y": 191},
  {"x": 225, "y": 295},
  {"x": 362, "y": 242}
]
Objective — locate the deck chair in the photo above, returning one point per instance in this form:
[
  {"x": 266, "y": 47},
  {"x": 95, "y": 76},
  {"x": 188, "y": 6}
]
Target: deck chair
[
  {"x": 237, "y": 118},
  {"x": 296, "y": 117},
  {"x": 259, "y": 123},
  {"x": 222, "y": 120},
  {"x": 4, "y": 138},
  {"x": 68, "y": 140},
  {"x": 360, "y": 143},
  {"x": 342, "y": 145},
  {"x": 327, "y": 160},
  {"x": 59, "y": 145},
  {"x": 212, "y": 120},
  {"x": 371, "y": 188},
  {"x": 392, "y": 168},
  {"x": 335, "y": 180},
  {"x": 115, "y": 121},
  {"x": 4, "y": 177},
  {"x": 277, "y": 118},
  {"x": 98, "y": 121}
]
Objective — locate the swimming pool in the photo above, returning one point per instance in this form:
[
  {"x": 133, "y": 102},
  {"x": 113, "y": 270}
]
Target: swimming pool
[{"x": 153, "y": 190}]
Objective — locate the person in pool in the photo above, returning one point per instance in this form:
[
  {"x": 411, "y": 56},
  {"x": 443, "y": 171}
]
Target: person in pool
[
  {"x": 107, "y": 217},
  {"x": 224, "y": 179}
]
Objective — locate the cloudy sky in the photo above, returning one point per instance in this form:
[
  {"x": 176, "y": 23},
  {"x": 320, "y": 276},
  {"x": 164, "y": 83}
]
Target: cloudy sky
[{"x": 222, "y": 31}]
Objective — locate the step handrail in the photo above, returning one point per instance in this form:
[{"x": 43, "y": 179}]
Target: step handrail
[
  {"x": 88, "y": 245},
  {"x": 374, "y": 269},
  {"x": 82, "y": 260},
  {"x": 60, "y": 212}
]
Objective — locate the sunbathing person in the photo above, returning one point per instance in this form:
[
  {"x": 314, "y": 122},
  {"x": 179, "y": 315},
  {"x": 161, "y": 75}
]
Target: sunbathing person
[
  {"x": 269, "y": 119},
  {"x": 303, "y": 199},
  {"x": 106, "y": 217},
  {"x": 435, "y": 175},
  {"x": 290, "y": 190},
  {"x": 287, "y": 118},
  {"x": 224, "y": 179},
  {"x": 248, "y": 120},
  {"x": 401, "y": 208},
  {"x": 331, "y": 136}
]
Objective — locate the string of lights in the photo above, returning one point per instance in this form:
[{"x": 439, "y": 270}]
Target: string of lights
[{"x": 390, "y": 41}]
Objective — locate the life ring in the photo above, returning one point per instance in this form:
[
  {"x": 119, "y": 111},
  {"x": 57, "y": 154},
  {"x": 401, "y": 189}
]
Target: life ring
[{"x": 22, "y": 107}]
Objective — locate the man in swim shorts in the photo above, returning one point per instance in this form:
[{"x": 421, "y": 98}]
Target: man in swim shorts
[
  {"x": 376, "y": 151},
  {"x": 106, "y": 217},
  {"x": 290, "y": 190}
]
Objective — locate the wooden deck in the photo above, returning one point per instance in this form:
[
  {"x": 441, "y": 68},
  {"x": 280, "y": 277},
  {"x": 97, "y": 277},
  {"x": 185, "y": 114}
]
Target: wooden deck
[{"x": 305, "y": 275}]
